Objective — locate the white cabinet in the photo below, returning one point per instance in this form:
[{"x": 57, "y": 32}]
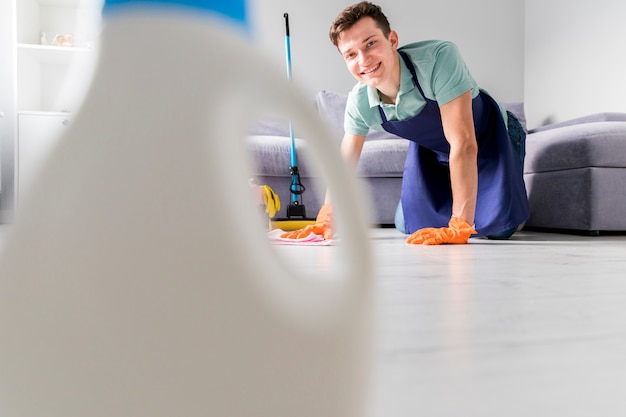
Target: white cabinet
[
  {"x": 37, "y": 133},
  {"x": 47, "y": 50}
]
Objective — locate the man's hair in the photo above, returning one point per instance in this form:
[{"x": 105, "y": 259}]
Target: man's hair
[{"x": 352, "y": 14}]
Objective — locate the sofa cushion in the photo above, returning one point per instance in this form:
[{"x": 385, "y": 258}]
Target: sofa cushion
[
  {"x": 600, "y": 144},
  {"x": 378, "y": 158},
  {"x": 270, "y": 127},
  {"x": 274, "y": 126},
  {"x": 332, "y": 107},
  {"x": 383, "y": 158},
  {"x": 272, "y": 155}
]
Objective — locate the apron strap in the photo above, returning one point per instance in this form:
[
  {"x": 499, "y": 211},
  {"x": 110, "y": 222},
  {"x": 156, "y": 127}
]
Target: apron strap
[{"x": 411, "y": 68}]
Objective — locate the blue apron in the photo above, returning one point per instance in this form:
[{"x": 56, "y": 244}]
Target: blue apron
[{"x": 426, "y": 195}]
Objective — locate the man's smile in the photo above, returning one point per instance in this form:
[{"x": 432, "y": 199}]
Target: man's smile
[{"x": 369, "y": 71}]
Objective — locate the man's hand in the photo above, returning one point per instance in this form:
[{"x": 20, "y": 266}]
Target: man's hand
[
  {"x": 458, "y": 231},
  {"x": 322, "y": 226}
]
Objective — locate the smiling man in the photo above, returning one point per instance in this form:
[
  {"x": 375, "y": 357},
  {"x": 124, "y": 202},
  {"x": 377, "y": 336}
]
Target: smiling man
[{"x": 463, "y": 171}]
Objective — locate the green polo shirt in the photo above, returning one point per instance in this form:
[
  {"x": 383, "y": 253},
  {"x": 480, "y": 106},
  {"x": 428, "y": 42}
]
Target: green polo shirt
[{"x": 441, "y": 73}]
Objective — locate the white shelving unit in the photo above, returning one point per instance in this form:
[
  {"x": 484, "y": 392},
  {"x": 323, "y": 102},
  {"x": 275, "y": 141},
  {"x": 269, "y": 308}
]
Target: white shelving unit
[
  {"x": 53, "y": 40},
  {"x": 51, "y": 36},
  {"x": 37, "y": 132}
]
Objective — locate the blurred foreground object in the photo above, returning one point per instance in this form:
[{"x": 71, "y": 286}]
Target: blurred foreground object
[{"x": 128, "y": 289}]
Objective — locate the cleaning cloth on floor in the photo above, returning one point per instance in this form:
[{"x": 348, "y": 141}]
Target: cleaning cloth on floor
[{"x": 312, "y": 239}]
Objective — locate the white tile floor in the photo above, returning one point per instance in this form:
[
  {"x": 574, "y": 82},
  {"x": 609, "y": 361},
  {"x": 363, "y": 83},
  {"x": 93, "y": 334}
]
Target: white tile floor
[{"x": 533, "y": 326}]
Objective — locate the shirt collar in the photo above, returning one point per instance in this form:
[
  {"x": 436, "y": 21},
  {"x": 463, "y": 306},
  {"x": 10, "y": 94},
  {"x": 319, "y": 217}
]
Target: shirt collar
[{"x": 406, "y": 85}]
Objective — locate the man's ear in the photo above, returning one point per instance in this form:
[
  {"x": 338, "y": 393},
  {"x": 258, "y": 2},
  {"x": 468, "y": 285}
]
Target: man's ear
[{"x": 393, "y": 38}]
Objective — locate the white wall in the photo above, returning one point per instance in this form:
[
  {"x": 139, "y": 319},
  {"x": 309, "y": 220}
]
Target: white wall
[
  {"x": 7, "y": 107},
  {"x": 575, "y": 60},
  {"x": 494, "y": 53}
]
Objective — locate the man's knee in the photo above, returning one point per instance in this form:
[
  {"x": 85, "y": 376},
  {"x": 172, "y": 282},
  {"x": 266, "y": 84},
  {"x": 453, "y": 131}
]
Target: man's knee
[{"x": 399, "y": 218}]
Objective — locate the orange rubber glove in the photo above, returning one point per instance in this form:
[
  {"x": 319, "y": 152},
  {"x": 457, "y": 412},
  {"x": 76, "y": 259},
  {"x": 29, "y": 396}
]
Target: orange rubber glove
[
  {"x": 458, "y": 231},
  {"x": 322, "y": 226}
]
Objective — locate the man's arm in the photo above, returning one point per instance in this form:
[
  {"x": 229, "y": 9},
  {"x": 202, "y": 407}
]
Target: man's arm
[
  {"x": 351, "y": 147},
  {"x": 458, "y": 127}
]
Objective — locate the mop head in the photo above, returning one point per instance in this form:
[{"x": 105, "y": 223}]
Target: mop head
[
  {"x": 290, "y": 224},
  {"x": 270, "y": 201}
]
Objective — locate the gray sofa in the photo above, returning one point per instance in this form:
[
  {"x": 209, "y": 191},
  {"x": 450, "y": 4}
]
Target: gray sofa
[
  {"x": 575, "y": 174},
  {"x": 575, "y": 171}
]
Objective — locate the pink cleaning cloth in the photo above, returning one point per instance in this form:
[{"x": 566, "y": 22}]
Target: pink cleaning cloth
[{"x": 311, "y": 240}]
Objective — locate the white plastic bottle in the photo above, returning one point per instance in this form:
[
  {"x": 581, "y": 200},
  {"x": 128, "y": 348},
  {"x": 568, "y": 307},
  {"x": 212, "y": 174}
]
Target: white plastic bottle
[{"x": 136, "y": 280}]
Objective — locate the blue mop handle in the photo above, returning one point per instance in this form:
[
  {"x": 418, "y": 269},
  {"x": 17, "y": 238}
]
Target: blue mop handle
[
  {"x": 294, "y": 159},
  {"x": 287, "y": 46}
]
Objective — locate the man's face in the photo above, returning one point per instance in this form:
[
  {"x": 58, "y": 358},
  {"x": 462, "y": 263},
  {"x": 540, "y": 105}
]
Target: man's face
[{"x": 370, "y": 57}]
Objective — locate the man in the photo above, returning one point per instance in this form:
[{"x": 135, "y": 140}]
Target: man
[{"x": 463, "y": 172}]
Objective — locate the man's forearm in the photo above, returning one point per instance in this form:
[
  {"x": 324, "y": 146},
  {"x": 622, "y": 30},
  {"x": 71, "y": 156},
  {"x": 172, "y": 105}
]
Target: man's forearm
[
  {"x": 351, "y": 147},
  {"x": 464, "y": 183}
]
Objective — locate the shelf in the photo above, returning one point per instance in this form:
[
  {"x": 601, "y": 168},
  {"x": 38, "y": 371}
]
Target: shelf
[
  {"x": 48, "y": 54},
  {"x": 44, "y": 113},
  {"x": 60, "y": 3}
]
